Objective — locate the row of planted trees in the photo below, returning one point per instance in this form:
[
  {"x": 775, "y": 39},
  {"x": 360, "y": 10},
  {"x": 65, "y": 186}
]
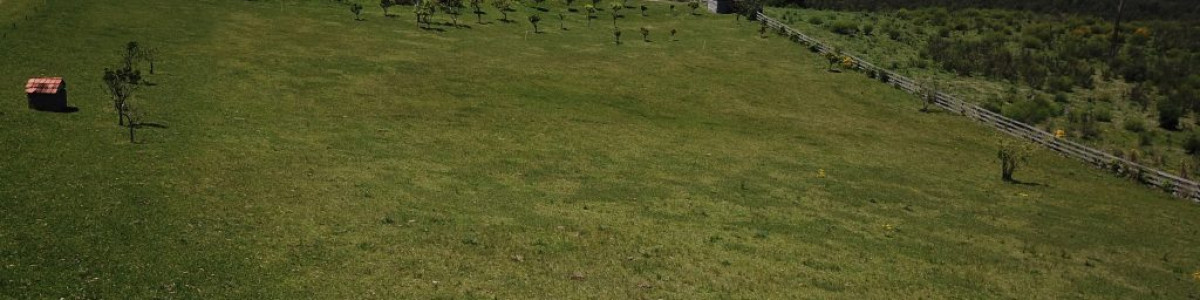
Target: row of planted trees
[{"x": 424, "y": 11}]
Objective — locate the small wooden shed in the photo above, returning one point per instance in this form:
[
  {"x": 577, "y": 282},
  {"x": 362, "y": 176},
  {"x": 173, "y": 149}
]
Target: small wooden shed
[{"x": 47, "y": 93}]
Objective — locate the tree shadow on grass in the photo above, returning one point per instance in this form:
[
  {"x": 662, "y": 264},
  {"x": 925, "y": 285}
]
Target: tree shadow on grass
[
  {"x": 507, "y": 21},
  {"x": 1031, "y": 184},
  {"x": 433, "y": 29},
  {"x": 141, "y": 125}
]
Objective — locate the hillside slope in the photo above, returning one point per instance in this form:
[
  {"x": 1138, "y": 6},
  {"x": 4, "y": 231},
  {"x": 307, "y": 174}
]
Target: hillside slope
[{"x": 308, "y": 155}]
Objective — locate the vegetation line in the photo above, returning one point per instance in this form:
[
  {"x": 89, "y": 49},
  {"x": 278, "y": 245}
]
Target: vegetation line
[{"x": 1175, "y": 185}]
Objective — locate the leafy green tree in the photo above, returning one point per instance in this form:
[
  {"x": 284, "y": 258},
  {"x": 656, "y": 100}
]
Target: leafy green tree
[
  {"x": 569, "y": 5},
  {"x": 644, "y": 10},
  {"x": 534, "y": 19},
  {"x": 357, "y": 10},
  {"x": 645, "y": 34},
  {"x": 1012, "y": 153},
  {"x": 694, "y": 5},
  {"x": 673, "y": 34},
  {"x": 504, "y": 6},
  {"x": 617, "y": 35}
]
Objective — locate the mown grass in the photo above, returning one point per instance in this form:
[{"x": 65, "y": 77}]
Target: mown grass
[{"x": 308, "y": 155}]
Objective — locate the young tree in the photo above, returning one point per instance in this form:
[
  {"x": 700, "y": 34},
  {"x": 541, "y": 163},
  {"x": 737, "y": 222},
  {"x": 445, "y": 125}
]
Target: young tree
[
  {"x": 591, "y": 13},
  {"x": 569, "y": 3},
  {"x": 452, "y": 8},
  {"x": 1012, "y": 153},
  {"x": 616, "y": 8},
  {"x": 929, "y": 92},
  {"x": 357, "y": 10},
  {"x": 694, "y": 5},
  {"x": 672, "y": 9},
  {"x": 425, "y": 9},
  {"x": 503, "y": 6},
  {"x": 672, "y": 34},
  {"x": 132, "y": 55},
  {"x": 477, "y": 5},
  {"x": 121, "y": 84},
  {"x": 617, "y": 35},
  {"x": 644, "y": 10},
  {"x": 134, "y": 116},
  {"x": 386, "y": 4},
  {"x": 645, "y": 34},
  {"x": 150, "y": 54},
  {"x": 561, "y": 25},
  {"x": 534, "y": 19}
]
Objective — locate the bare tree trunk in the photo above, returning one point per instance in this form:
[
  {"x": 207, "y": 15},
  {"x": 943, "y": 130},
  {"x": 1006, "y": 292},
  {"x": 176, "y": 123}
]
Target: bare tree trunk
[{"x": 1116, "y": 30}]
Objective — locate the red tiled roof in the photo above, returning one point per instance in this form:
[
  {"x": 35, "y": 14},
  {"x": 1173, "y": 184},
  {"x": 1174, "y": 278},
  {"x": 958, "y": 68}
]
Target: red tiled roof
[{"x": 43, "y": 85}]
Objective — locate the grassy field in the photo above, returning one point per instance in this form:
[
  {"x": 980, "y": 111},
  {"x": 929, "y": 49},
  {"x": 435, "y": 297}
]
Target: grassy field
[{"x": 308, "y": 155}]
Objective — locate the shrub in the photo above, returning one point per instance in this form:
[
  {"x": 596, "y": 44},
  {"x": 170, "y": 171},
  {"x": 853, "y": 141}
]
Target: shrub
[
  {"x": 1061, "y": 98},
  {"x": 844, "y": 27},
  {"x": 868, "y": 29},
  {"x": 1031, "y": 111},
  {"x": 1102, "y": 115},
  {"x": 1134, "y": 124},
  {"x": 1169, "y": 113},
  {"x": 1191, "y": 145},
  {"x": 893, "y": 34},
  {"x": 816, "y": 20}
]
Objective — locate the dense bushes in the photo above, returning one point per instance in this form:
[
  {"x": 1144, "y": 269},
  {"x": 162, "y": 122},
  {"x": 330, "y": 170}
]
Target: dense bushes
[
  {"x": 845, "y": 27},
  {"x": 1031, "y": 111}
]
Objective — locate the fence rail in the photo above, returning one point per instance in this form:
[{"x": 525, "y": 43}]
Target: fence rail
[{"x": 1175, "y": 185}]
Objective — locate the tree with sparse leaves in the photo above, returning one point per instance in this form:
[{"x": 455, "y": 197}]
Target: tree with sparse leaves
[
  {"x": 534, "y": 19},
  {"x": 645, "y": 34},
  {"x": 477, "y": 5},
  {"x": 616, "y": 9},
  {"x": 673, "y": 34},
  {"x": 452, "y": 8},
  {"x": 503, "y": 6},
  {"x": 386, "y": 4},
  {"x": 591, "y": 13},
  {"x": 644, "y": 8},
  {"x": 617, "y": 35},
  {"x": 357, "y": 10}
]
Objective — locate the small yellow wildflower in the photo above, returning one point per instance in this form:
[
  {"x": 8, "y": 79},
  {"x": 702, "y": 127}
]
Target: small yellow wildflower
[
  {"x": 1196, "y": 275},
  {"x": 888, "y": 227},
  {"x": 821, "y": 173}
]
